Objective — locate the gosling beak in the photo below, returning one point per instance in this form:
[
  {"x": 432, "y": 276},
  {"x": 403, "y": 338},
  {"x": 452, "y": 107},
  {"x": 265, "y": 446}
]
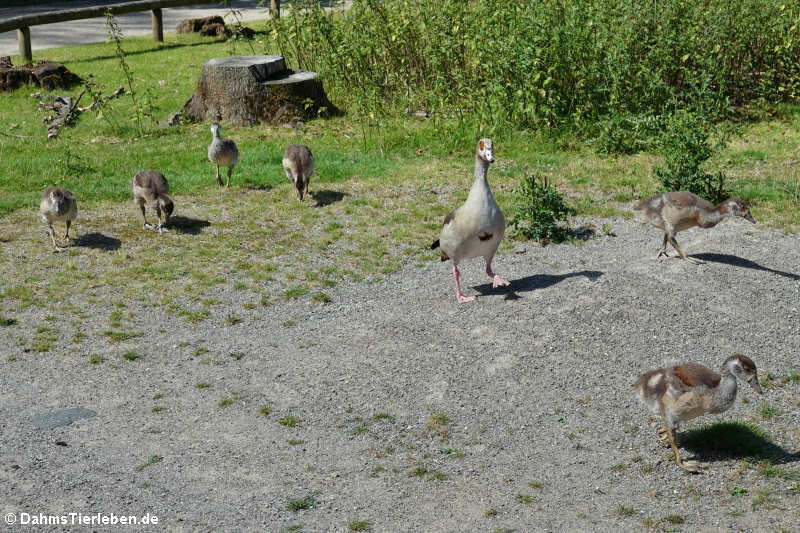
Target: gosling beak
[{"x": 755, "y": 384}]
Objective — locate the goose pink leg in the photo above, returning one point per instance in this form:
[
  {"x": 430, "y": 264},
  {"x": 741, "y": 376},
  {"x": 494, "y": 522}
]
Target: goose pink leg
[
  {"x": 460, "y": 297},
  {"x": 497, "y": 281}
]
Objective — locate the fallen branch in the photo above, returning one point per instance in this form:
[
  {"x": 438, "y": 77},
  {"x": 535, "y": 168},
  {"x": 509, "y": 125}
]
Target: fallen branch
[
  {"x": 102, "y": 101},
  {"x": 67, "y": 111}
]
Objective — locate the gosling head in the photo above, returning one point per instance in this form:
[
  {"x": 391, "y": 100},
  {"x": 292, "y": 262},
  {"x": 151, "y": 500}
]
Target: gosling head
[
  {"x": 300, "y": 185},
  {"x": 167, "y": 207},
  {"x": 739, "y": 208},
  {"x": 485, "y": 150},
  {"x": 744, "y": 368}
]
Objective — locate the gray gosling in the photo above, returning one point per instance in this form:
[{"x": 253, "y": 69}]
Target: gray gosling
[
  {"x": 686, "y": 391},
  {"x": 58, "y": 204},
  {"x": 476, "y": 228},
  {"x": 676, "y": 211},
  {"x": 222, "y": 152},
  {"x": 150, "y": 188},
  {"x": 298, "y": 163}
]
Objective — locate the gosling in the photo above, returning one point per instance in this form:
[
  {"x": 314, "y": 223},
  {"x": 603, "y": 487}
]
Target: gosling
[
  {"x": 150, "y": 188},
  {"x": 58, "y": 204}
]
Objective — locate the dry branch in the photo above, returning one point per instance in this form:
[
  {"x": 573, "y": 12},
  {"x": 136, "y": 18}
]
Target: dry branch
[{"x": 67, "y": 111}]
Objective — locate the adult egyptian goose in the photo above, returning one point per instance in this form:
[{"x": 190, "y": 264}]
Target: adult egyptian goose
[
  {"x": 476, "y": 228},
  {"x": 676, "y": 211},
  {"x": 686, "y": 391},
  {"x": 58, "y": 204},
  {"x": 222, "y": 152},
  {"x": 298, "y": 163},
  {"x": 150, "y": 188}
]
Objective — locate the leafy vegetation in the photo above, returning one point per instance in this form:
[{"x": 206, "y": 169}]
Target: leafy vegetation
[
  {"x": 687, "y": 147},
  {"x": 509, "y": 63},
  {"x": 539, "y": 209}
]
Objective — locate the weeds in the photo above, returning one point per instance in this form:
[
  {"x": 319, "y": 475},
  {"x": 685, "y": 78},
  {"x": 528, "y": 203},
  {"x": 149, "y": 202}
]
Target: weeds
[
  {"x": 153, "y": 459},
  {"x": 495, "y": 65},
  {"x": 289, "y": 421},
  {"x": 687, "y": 147},
  {"x": 141, "y": 109},
  {"x": 625, "y": 511},
  {"x": 304, "y": 503},
  {"x": 538, "y": 210}
]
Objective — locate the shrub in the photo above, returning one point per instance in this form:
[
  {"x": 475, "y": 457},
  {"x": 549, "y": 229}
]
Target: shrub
[
  {"x": 546, "y": 63},
  {"x": 538, "y": 209},
  {"x": 686, "y": 148},
  {"x": 628, "y": 134}
]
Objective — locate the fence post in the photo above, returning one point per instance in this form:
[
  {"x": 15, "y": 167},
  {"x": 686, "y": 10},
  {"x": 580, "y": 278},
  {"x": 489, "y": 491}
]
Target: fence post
[
  {"x": 158, "y": 24},
  {"x": 24, "y": 41},
  {"x": 275, "y": 9}
]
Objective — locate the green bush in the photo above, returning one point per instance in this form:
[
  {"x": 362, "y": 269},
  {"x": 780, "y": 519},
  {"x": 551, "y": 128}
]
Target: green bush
[
  {"x": 628, "y": 134},
  {"x": 686, "y": 148},
  {"x": 538, "y": 210},
  {"x": 515, "y": 63}
]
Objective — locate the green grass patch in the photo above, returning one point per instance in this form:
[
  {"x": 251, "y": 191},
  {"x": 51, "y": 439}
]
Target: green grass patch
[
  {"x": 304, "y": 503},
  {"x": 152, "y": 460},
  {"x": 289, "y": 421}
]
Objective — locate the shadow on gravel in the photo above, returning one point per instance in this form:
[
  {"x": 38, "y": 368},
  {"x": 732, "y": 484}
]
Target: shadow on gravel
[
  {"x": 98, "y": 241},
  {"x": 734, "y": 440},
  {"x": 191, "y": 226},
  {"x": 737, "y": 261},
  {"x": 532, "y": 283},
  {"x": 327, "y": 197}
]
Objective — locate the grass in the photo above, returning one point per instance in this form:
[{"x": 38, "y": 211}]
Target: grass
[
  {"x": 153, "y": 459},
  {"x": 130, "y": 356},
  {"x": 372, "y": 207},
  {"x": 674, "y": 519},
  {"x": 625, "y": 511},
  {"x": 359, "y": 525},
  {"x": 304, "y": 503},
  {"x": 229, "y": 400},
  {"x": 289, "y": 421},
  {"x": 524, "y": 499},
  {"x": 767, "y": 411}
]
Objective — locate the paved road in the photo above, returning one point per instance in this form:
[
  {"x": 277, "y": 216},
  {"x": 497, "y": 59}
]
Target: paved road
[{"x": 94, "y": 30}]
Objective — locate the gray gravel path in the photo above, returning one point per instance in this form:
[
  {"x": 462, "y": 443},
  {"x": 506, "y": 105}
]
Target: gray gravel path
[{"x": 535, "y": 383}]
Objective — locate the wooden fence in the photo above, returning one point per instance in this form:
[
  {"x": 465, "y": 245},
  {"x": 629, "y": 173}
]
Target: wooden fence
[{"x": 23, "y": 23}]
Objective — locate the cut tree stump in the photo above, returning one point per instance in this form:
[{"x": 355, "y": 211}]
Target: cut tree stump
[{"x": 248, "y": 90}]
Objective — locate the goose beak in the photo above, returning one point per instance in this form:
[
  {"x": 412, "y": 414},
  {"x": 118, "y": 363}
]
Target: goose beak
[{"x": 750, "y": 218}]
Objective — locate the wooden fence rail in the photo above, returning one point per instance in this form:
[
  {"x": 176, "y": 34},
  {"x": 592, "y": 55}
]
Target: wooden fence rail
[{"x": 23, "y": 23}]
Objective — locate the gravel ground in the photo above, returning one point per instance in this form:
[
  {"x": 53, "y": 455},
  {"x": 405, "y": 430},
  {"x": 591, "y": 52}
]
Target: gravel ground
[{"x": 514, "y": 412}]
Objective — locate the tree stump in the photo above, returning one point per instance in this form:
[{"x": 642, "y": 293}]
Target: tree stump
[{"x": 247, "y": 90}]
